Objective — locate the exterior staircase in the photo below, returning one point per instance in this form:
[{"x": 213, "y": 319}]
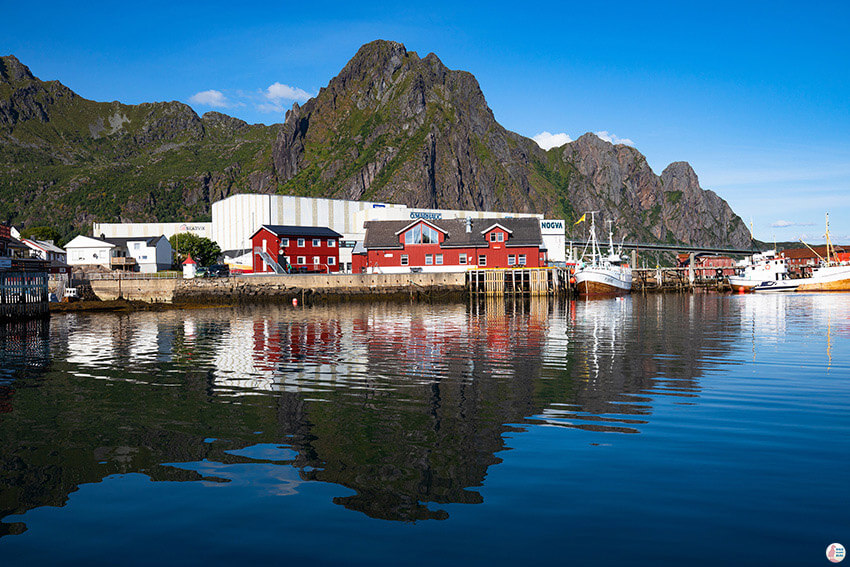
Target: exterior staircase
[{"x": 266, "y": 257}]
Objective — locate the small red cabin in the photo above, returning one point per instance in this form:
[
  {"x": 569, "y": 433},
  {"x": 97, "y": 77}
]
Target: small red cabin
[{"x": 295, "y": 249}]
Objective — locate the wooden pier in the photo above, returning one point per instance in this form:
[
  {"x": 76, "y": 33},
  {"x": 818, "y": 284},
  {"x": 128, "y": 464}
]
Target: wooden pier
[
  {"x": 675, "y": 279},
  {"x": 518, "y": 281},
  {"x": 23, "y": 295}
]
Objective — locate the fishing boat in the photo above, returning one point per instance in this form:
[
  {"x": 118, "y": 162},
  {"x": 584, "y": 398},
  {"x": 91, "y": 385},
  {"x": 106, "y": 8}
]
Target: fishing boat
[
  {"x": 758, "y": 268},
  {"x": 600, "y": 274},
  {"x": 830, "y": 275}
]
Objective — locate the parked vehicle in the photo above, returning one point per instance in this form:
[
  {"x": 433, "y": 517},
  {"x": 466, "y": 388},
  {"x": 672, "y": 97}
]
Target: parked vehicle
[
  {"x": 219, "y": 271},
  {"x": 202, "y": 272}
]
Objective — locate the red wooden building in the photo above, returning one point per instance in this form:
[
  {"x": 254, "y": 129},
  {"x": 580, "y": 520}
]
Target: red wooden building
[
  {"x": 450, "y": 245},
  {"x": 801, "y": 260},
  {"x": 707, "y": 266},
  {"x": 302, "y": 248}
]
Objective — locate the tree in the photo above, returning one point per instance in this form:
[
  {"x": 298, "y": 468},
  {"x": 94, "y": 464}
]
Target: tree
[
  {"x": 41, "y": 233},
  {"x": 203, "y": 250}
]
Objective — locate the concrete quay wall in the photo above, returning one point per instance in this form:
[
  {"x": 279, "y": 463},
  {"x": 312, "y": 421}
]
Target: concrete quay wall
[{"x": 242, "y": 288}]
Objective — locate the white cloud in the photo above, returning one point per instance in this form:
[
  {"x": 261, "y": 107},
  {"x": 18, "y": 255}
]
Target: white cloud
[
  {"x": 613, "y": 138},
  {"x": 786, "y": 224},
  {"x": 278, "y": 92},
  {"x": 547, "y": 140},
  {"x": 210, "y": 98}
]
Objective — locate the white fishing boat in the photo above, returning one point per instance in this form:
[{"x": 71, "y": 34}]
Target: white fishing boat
[
  {"x": 831, "y": 275},
  {"x": 758, "y": 268},
  {"x": 600, "y": 274}
]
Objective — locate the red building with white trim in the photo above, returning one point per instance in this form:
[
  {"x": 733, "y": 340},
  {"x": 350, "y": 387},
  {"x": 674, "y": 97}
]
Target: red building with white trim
[
  {"x": 450, "y": 245},
  {"x": 303, "y": 248}
]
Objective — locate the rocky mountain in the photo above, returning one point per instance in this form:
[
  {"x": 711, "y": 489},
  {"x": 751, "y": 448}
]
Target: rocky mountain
[
  {"x": 391, "y": 126},
  {"x": 66, "y": 161}
]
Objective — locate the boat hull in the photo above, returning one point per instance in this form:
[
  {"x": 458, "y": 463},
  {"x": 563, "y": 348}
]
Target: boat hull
[{"x": 600, "y": 282}]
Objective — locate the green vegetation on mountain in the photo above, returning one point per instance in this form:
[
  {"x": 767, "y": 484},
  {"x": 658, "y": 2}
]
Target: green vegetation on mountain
[{"x": 390, "y": 127}]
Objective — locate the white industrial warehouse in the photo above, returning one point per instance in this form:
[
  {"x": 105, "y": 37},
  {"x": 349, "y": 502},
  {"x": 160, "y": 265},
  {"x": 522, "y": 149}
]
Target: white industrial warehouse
[{"x": 237, "y": 217}]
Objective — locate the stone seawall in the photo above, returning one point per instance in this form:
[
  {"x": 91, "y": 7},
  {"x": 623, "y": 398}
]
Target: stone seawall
[{"x": 283, "y": 287}]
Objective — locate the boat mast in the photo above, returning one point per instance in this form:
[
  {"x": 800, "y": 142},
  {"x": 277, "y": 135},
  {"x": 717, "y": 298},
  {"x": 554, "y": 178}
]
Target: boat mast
[
  {"x": 594, "y": 244},
  {"x": 828, "y": 243}
]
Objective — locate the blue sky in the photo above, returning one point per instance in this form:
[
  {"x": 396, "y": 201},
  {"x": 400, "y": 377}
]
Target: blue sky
[{"x": 755, "y": 95}]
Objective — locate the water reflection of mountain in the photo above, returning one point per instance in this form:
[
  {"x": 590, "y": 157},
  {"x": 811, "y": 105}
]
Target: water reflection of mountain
[
  {"x": 407, "y": 405},
  {"x": 623, "y": 353}
]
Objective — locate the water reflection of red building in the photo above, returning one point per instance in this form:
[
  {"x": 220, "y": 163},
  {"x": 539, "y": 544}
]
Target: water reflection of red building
[
  {"x": 420, "y": 341},
  {"x": 277, "y": 343}
]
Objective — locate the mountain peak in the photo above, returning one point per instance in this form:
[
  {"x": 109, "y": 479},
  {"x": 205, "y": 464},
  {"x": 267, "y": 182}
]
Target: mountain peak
[{"x": 13, "y": 71}]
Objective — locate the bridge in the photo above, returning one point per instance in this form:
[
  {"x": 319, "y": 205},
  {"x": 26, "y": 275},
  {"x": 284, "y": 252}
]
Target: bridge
[{"x": 700, "y": 250}]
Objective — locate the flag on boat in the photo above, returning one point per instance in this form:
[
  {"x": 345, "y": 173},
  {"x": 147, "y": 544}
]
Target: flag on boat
[{"x": 583, "y": 217}]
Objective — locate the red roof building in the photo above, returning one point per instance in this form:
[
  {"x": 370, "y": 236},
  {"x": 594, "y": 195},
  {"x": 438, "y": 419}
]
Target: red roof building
[
  {"x": 292, "y": 249},
  {"x": 802, "y": 260},
  {"x": 450, "y": 245}
]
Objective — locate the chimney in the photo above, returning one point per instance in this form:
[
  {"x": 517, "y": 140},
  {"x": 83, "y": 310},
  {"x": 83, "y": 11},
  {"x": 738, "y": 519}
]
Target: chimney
[{"x": 468, "y": 224}]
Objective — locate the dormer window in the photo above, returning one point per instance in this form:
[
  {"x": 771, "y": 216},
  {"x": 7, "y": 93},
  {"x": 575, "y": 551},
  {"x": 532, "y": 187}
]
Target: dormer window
[
  {"x": 497, "y": 237},
  {"x": 421, "y": 234}
]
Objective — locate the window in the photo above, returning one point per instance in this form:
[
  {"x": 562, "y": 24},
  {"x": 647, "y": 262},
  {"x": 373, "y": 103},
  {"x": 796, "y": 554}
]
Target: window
[
  {"x": 482, "y": 260},
  {"x": 511, "y": 260},
  {"x": 421, "y": 234},
  {"x": 429, "y": 259},
  {"x": 462, "y": 258},
  {"x": 284, "y": 242},
  {"x": 316, "y": 260},
  {"x": 404, "y": 260},
  {"x": 439, "y": 259},
  {"x": 522, "y": 259},
  {"x": 301, "y": 260},
  {"x": 331, "y": 261},
  {"x": 331, "y": 243},
  {"x": 300, "y": 243},
  {"x": 137, "y": 245},
  {"x": 317, "y": 242},
  {"x": 492, "y": 237}
]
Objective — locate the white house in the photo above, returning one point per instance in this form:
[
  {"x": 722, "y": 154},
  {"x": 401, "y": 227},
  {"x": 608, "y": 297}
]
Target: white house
[
  {"x": 141, "y": 254},
  {"x": 46, "y": 250}
]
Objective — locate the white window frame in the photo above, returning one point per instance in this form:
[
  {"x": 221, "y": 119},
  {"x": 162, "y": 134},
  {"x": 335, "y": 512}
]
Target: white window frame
[
  {"x": 429, "y": 259},
  {"x": 301, "y": 243},
  {"x": 522, "y": 259},
  {"x": 284, "y": 242},
  {"x": 301, "y": 260},
  {"x": 482, "y": 259},
  {"x": 331, "y": 261},
  {"x": 405, "y": 261},
  {"x": 438, "y": 259},
  {"x": 317, "y": 242},
  {"x": 331, "y": 243},
  {"x": 317, "y": 260},
  {"x": 462, "y": 259},
  {"x": 511, "y": 260}
]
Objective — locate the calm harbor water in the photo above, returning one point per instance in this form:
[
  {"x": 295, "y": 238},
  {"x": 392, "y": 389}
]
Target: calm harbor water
[{"x": 675, "y": 429}]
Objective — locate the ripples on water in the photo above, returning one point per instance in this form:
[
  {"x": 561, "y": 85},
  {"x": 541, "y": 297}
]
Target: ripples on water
[{"x": 604, "y": 432}]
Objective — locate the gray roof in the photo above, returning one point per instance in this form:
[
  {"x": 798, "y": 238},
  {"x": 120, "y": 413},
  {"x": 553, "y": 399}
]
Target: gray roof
[
  {"x": 48, "y": 246},
  {"x": 523, "y": 232},
  {"x": 306, "y": 231}
]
